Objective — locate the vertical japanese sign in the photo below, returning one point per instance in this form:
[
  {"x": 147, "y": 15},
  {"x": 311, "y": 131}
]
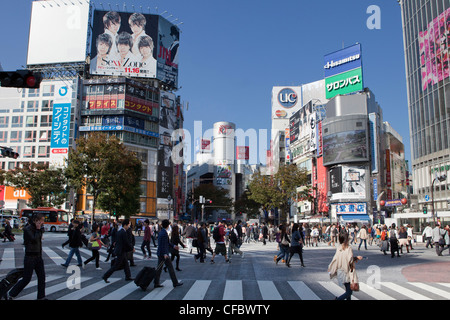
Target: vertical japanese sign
[
  {"x": 167, "y": 124},
  {"x": 60, "y": 124}
]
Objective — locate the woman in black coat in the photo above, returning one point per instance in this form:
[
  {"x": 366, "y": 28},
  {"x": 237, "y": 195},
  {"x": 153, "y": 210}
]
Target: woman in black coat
[
  {"x": 296, "y": 244},
  {"x": 175, "y": 240}
]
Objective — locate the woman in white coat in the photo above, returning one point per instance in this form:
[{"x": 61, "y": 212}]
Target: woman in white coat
[{"x": 343, "y": 266}]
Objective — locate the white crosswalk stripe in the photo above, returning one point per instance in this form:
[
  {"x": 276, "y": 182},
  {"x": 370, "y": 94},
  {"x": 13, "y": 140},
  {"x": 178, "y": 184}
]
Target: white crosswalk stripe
[
  {"x": 268, "y": 290},
  {"x": 434, "y": 290},
  {"x": 8, "y": 259},
  {"x": 303, "y": 291},
  {"x": 232, "y": 290},
  {"x": 405, "y": 291},
  {"x": 95, "y": 288},
  {"x": 198, "y": 290}
]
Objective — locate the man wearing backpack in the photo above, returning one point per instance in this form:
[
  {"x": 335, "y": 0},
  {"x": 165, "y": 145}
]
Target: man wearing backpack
[
  {"x": 233, "y": 245},
  {"x": 219, "y": 238}
]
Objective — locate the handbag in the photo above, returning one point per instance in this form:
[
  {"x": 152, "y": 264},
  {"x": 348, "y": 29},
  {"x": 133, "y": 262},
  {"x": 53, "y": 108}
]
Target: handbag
[{"x": 354, "y": 284}]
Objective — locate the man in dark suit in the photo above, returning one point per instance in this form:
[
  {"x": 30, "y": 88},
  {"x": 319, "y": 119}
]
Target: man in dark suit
[
  {"x": 122, "y": 246},
  {"x": 163, "y": 255}
]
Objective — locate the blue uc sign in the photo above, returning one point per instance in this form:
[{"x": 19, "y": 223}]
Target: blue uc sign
[{"x": 287, "y": 98}]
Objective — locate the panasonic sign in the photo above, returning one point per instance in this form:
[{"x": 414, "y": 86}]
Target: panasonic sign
[{"x": 343, "y": 60}]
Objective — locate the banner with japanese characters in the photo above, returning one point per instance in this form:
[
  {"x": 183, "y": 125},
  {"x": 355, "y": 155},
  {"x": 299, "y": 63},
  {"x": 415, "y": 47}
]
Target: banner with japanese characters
[{"x": 60, "y": 124}]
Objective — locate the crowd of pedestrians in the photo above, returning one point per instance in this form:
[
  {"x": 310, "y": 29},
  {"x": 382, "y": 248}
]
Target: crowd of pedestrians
[{"x": 227, "y": 238}]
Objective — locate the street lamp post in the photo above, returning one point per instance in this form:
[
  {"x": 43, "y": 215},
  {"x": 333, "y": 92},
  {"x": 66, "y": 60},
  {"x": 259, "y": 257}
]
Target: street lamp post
[{"x": 441, "y": 179}]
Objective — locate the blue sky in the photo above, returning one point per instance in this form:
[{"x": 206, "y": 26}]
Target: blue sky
[{"x": 233, "y": 52}]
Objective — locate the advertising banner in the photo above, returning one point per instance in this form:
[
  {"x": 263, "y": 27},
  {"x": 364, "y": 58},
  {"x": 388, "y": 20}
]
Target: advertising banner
[
  {"x": 58, "y": 32},
  {"x": 62, "y": 104},
  {"x": 168, "y": 53},
  {"x": 373, "y": 141},
  {"x": 351, "y": 208},
  {"x": 344, "y": 83},
  {"x": 343, "y": 60},
  {"x": 433, "y": 50},
  {"x": 286, "y": 101},
  {"x": 124, "y": 44},
  {"x": 348, "y": 183},
  {"x": 135, "y": 45},
  {"x": 166, "y": 127},
  {"x": 242, "y": 153},
  {"x": 202, "y": 146},
  {"x": 224, "y": 174}
]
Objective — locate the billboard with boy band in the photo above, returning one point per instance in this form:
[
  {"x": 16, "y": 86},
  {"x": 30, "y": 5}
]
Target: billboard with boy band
[{"x": 135, "y": 45}]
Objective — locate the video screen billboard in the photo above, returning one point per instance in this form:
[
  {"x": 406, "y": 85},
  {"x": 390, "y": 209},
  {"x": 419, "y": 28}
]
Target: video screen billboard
[
  {"x": 58, "y": 32},
  {"x": 343, "y": 147},
  {"x": 433, "y": 50},
  {"x": 135, "y": 45}
]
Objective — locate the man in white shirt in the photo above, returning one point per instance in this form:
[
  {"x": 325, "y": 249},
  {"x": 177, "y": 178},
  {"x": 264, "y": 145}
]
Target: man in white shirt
[{"x": 428, "y": 234}]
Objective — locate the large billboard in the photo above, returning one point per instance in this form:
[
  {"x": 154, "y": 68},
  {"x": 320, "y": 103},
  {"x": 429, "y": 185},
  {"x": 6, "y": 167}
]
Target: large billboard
[
  {"x": 433, "y": 50},
  {"x": 343, "y": 71},
  {"x": 344, "y": 83},
  {"x": 343, "y": 60},
  {"x": 286, "y": 101},
  {"x": 348, "y": 182},
  {"x": 134, "y": 45},
  {"x": 58, "y": 32}
]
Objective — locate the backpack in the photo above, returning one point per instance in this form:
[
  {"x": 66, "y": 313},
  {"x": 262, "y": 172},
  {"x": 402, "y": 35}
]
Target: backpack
[
  {"x": 215, "y": 234},
  {"x": 233, "y": 237},
  {"x": 383, "y": 235}
]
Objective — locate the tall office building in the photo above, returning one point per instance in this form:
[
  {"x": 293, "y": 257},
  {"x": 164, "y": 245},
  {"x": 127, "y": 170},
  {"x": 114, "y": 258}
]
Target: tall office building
[{"x": 426, "y": 33}]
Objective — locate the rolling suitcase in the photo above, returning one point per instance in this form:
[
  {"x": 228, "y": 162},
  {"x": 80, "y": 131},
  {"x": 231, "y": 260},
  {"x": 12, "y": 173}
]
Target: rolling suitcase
[
  {"x": 146, "y": 276},
  {"x": 9, "y": 281}
]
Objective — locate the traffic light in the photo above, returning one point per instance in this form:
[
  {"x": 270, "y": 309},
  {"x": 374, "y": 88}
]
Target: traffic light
[
  {"x": 425, "y": 210},
  {"x": 9, "y": 153},
  {"x": 20, "y": 79},
  {"x": 208, "y": 201}
]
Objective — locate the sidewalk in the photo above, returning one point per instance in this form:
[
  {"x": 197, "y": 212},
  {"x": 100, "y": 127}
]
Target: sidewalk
[
  {"x": 428, "y": 272},
  {"x": 433, "y": 271}
]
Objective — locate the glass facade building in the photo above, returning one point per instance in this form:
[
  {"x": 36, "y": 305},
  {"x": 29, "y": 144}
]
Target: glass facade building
[{"x": 426, "y": 34}]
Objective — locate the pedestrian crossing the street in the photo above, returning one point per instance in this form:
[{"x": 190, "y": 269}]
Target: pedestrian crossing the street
[
  {"x": 95, "y": 288},
  {"x": 90, "y": 286}
]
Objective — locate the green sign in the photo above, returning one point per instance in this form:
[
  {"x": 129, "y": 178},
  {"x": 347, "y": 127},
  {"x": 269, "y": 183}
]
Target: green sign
[{"x": 344, "y": 83}]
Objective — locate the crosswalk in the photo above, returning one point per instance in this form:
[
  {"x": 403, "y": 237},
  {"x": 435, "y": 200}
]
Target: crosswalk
[
  {"x": 95, "y": 288},
  {"x": 59, "y": 286}
]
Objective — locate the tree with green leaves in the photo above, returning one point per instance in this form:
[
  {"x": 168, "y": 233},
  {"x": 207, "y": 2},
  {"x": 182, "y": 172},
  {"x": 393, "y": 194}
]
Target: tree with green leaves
[
  {"x": 45, "y": 185},
  {"x": 219, "y": 196},
  {"x": 108, "y": 171},
  {"x": 278, "y": 190},
  {"x": 247, "y": 205}
]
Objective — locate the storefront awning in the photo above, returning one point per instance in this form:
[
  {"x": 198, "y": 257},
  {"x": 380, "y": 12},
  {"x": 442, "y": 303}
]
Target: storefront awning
[{"x": 354, "y": 217}]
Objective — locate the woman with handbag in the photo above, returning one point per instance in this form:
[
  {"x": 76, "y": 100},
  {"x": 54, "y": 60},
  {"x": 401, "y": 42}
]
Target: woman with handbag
[
  {"x": 283, "y": 255},
  {"x": 95, "y": 243},
  {"x": 342, "y": 267}
]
